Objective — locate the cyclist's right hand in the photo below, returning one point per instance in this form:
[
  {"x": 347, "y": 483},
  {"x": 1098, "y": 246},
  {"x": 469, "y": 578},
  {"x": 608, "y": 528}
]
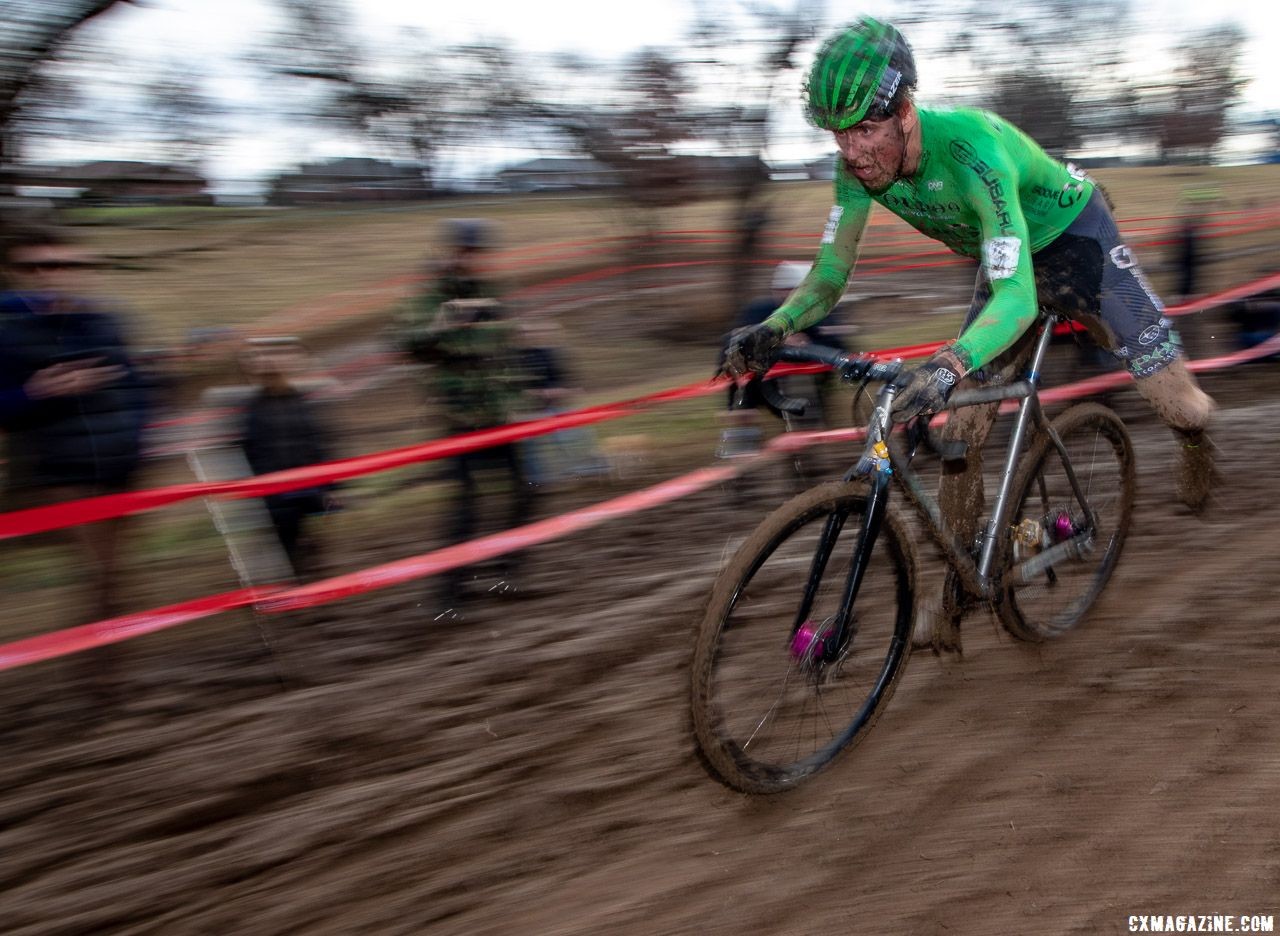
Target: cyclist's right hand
[
  {"x": 752, "y": 350},
  {"x": 925, "y": 389}
]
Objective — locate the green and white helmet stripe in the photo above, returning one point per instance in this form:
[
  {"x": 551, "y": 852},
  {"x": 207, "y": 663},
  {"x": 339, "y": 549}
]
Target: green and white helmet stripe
[{"x": 852, "y": 78}]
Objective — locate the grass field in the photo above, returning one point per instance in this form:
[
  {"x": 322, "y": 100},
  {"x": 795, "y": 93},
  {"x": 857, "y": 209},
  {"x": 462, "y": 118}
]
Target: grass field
[{"x": 183, "y": 268}]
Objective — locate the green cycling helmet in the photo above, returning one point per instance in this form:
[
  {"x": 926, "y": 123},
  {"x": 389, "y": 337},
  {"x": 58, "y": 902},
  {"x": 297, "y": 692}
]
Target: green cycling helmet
[{"x": 860, "y": 72}]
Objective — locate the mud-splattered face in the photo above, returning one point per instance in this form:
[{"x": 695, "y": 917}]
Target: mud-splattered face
[{"x": 874, "y": 151}]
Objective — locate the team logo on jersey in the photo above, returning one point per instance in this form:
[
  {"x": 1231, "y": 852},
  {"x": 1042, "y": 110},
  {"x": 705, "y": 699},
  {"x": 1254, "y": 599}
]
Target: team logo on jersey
[
  {"x": 1071, "y": 193},
  {"x": 963, "y": 152},
  {"x": 833, "y": 221},
  {"x": 1000, "y": 257},
  {"x": 935, "y": 185},
  {"x": 1121, "y": 257}
]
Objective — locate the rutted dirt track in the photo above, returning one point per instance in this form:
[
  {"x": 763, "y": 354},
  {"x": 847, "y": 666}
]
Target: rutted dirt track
[{"x": 528, "y": 771}]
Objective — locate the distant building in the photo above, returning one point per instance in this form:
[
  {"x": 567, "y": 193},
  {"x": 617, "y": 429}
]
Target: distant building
[
  {"x": 821, "y": 169},
  {"x": 557, "y": 174},
  {"x": 788, "y": 172},
  {"x": 350, "y": 179},
  {"x": 714, "y": 172},
  {"x": 117, "y": 182},
  {"x": 562, "y": 174}
]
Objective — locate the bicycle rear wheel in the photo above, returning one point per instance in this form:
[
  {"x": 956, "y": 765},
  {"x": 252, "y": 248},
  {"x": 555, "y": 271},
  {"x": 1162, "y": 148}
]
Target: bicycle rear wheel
[
  {"x": 1057, "y": 553},
  {"x": 773, "y": 703}
]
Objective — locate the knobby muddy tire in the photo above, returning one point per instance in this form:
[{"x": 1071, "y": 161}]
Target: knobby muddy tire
[
  {"x": 743, "y": 644},
  {"x": 1102, "y": 457}
]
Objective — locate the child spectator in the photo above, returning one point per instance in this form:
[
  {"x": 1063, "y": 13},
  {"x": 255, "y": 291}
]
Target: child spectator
[{"x": 282, "y": 429}]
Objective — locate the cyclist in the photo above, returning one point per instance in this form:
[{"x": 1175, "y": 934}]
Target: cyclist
[{"x": 1041, "y": 229}]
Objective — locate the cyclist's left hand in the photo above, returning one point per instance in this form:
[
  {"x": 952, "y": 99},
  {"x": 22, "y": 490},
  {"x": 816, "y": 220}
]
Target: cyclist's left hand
[
  {"x": 752, "y": 350},
  {"x": 928, "y": 386}
]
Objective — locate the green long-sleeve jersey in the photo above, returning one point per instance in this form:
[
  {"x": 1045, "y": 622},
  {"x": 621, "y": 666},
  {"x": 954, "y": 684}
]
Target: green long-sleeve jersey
[{"x": 984, "y": 189}]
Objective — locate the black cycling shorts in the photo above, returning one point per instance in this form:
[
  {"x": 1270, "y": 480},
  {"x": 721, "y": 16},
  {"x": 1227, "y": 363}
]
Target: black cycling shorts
[{"x": 1090, "y": 275}]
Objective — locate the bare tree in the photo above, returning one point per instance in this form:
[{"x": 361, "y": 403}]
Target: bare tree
[
  {"x": 408, "y": 100},
  {"x": 1041, "y": 104},
  {"x": 634, "y": 127},
  {"x": 31, "y": 32},
  {"x": 1051, "y": 67},
  {"x": 1191, "y": 112}
]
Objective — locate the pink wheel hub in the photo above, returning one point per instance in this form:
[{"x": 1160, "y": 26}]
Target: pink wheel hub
[
  {"x": 1063, "y": 528},
  {"x": 810, "y": 641}
]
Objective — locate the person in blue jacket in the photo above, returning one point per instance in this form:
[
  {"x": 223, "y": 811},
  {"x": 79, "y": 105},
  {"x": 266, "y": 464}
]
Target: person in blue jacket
[{"x": 73, "y": 405}]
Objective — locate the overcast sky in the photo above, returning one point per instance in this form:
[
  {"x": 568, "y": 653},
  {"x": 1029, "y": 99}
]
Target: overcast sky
[
  {"x": 607, "y": 29},
  {"x": 215, "y": 33}
]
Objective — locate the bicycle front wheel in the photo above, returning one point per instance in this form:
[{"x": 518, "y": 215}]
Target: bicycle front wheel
[
  {"x": 773, "y": 699},
  {"x": 1064, "y": 538}
]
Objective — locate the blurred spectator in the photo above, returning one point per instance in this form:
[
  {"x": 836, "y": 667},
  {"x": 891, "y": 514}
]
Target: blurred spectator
[
  {"x": 71, "y": 401},
  {"x": 548, "y": 390},
  {"x": 752, "y": 221},
  {"x": 1187, "y": 258},
  {"x": 283, "y": 429},
  {"x": 742, "y": 431},
  {"x": 1188, "y": 247},
  {"x": 1255, "y": 319},
  {"x": 457, "y": 327}
]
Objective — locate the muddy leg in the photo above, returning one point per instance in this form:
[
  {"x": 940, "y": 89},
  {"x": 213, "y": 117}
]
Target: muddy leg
[
  {"x": 1177, "y": 398},
  {"x": 960, "y": 493},
  {"x": 1182, "y": 406}
]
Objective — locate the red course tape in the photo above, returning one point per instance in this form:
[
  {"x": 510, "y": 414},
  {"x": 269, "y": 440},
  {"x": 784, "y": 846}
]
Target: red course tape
[{"x": 280, "y": 598}]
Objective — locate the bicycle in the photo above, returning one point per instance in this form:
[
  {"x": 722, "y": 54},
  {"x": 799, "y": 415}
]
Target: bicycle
[{"x": 792, "y": 668}]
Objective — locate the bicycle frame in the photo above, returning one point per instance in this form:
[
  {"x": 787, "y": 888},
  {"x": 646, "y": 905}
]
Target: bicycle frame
[{"x": 885, "y": 464}]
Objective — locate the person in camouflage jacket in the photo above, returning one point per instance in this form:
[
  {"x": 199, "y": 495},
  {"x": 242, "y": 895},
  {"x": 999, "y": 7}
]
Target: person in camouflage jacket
[{"x": 460, "y": 330}]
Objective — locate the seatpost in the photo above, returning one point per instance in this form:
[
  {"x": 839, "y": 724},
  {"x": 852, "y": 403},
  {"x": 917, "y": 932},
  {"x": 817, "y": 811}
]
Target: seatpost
[{"x": 989, "y": 537}]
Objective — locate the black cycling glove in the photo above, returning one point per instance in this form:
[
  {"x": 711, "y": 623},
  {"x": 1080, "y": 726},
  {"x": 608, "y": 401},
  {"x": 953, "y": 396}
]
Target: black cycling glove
[
  {"x": 752, "y": 350},
  {"x": 928, "y": 386}
]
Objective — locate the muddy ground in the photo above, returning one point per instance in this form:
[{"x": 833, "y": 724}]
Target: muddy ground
[{"x": 528, "y": 770}]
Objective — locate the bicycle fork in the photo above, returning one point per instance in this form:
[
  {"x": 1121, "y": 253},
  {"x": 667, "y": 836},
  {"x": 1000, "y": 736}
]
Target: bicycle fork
[
  {"x": 845, "y": 627},
  {"x": 834, "y": 638},
  {"x": 822, "y": 641}
]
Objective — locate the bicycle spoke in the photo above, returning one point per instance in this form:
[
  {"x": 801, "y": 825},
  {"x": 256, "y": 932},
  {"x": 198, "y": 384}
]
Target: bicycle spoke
[{"x": 782, "y": 691}]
